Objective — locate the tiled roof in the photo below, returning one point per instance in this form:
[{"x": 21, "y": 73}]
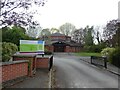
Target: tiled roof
[
  {"x": 71, "y": 42},
  {"x": 68, "y": 43}
]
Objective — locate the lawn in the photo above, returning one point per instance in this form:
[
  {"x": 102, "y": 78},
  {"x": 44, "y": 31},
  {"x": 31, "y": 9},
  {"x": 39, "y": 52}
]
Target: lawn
[{"x": 88, "y": 54}]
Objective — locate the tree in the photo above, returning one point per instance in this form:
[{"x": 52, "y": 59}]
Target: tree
[
  {"x": 54, "y": 30},
  {"x": 97, "y": 34},
  {"x": 17, "y": 12},
  {"x": 88, "y": 38},
  {"x": 67, "y": 29},
  {"x": 111, "y": 32},
  {"x": 13, "y": 34},
  {"x": 45, "y": 32},
  {"x": 45, "y": 35},
  {"x": 116, "y": 37},
  {"x": 78, "y": 36},
  {"x": 34, "y": 31}
]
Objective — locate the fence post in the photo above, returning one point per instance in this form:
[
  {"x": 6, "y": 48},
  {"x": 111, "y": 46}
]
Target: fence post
[
  {"x": 91, "y": 59},
  {"x": 105, "y": 62}
]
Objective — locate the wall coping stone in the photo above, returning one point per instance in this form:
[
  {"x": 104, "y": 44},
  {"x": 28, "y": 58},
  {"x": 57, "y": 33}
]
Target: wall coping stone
[
  {"x": 13, "y": 62},
  {"x": 24, "y": 55},
  {"x": 45, "y": 56}
]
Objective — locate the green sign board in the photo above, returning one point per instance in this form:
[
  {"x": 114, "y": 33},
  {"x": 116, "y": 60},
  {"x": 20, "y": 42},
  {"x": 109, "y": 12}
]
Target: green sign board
[{"x": 31, "y": 46}]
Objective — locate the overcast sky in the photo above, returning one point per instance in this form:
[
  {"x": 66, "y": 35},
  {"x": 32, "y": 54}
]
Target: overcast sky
[{"x": 78, "y": 12}]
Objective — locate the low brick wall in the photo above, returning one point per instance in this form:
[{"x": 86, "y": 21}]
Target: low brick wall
[
  {"x": 32, "y": 61},
  {"x": 14, "y": 69},
  {"x": 43, "y": 62}
]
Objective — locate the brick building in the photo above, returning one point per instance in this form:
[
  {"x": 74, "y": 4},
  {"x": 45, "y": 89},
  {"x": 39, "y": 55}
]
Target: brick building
[{"x": 62, "y": 43}]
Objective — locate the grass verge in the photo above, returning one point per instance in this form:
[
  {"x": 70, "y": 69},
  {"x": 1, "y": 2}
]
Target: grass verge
[{"x": 87, "y": 54}]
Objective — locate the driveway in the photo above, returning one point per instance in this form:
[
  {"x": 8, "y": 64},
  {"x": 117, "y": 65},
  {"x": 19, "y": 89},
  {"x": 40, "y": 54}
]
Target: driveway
[{"x": 71, "y": 72}]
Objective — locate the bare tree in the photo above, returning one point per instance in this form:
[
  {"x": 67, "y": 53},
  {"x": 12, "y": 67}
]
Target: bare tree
[
  {"x": 17, "y": 11},
  {"x": 54, "y": 30},
  {"x": 78, "y": 36},
  {"x": 67, "y": 29},
  {"x": 34, "y": 31},
  {"x": 97, "y": 34},
  {"x": 110, "y": 32}
]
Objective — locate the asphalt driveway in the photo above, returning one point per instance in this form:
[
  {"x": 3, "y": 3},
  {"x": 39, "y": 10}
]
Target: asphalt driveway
[{"x": 71, "y": 72}]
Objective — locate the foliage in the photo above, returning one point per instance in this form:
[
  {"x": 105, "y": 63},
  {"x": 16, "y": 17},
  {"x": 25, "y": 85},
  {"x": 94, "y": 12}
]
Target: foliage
[
  {"x": 29, "y": 65},
  {"x": 45, "y": 35},
  {"x": 84, "y": 35},
  {"x": 45, "y": 32},
  {"x": 78, "y": 36},
  {"x": 13, "y": 34},
  {"x": 8, "y": 49},
  {"x": 67, "y": 29},
  {"x": 115, "y": 57},
  {"x": 17, "y": 12},
  {"x": 111, "y": 33},
  {"x": 88, "y": 38},
  {"x": 34, "y": 31},
  {"x": 54, "y": 30},
  {"x": 107, "y": 51},
  {"x": 94, "y": 48}
]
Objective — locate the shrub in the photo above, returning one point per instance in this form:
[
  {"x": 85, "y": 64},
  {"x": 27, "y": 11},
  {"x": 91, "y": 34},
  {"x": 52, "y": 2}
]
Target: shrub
[
  {"x": 107, "y": 51},
  {"x": 8, "y": 49},
  {"x": 115, "y": 57},
  {"x": 94, "y": 48}
]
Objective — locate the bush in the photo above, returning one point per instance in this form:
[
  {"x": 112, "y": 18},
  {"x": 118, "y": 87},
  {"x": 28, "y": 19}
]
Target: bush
[
  {"x": 94, "y": 48},
  {"x": 107, "y": 51},
  {"x": 8, "y": 49},
  {"x": 115, "y": 57}
]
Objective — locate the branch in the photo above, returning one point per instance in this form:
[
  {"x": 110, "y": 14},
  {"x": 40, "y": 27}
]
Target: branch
[
  {"x": 10, "y": 9},
  {"x": 3, "y": 4}
]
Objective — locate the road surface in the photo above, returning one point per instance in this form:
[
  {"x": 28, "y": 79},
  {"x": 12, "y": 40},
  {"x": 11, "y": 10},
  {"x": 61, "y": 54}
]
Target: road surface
[{"x": 71, "y": 72}]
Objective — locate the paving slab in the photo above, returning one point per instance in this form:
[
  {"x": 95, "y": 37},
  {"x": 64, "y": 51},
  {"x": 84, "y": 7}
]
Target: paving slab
[{"x": 39, "y": 80}]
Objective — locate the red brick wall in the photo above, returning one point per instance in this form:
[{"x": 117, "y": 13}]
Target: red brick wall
[
  {"x": 42, "y": 62},
  {"x": 32, "y": 61},
  {"x": 72, "y": 49},
  {"x": 67, "y": 49},
  {"x": 13, "y": 71}
]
